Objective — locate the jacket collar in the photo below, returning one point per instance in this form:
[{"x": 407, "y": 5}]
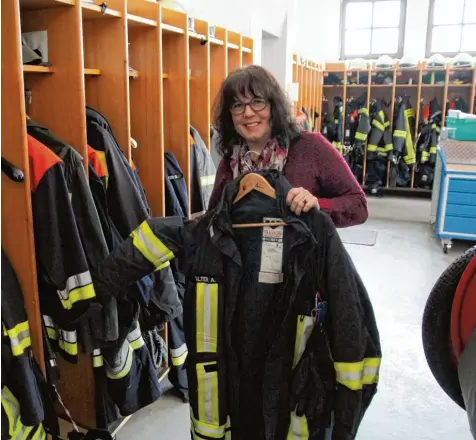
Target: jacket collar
[{"x": 220, "y": 225}]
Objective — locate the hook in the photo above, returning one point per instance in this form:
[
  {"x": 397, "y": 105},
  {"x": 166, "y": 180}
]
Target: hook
[{"x": 12, "y": 171}]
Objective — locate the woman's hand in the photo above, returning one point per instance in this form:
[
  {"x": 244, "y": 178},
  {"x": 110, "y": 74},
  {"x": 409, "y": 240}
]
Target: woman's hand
[{"x": 301, "y": 200}]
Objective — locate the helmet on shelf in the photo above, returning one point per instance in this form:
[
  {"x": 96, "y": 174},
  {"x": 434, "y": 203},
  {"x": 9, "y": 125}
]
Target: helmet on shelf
[
  {"x": 384, "y": 62},
  {"x": 462, "y": 60},
  {"x": 358, "y": 64},
  {"x": 408, "y": 62},
  {"x": 437, "y": 60}
]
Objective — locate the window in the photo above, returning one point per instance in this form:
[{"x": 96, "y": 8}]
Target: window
[
  {"x": 451, "y": 27},
  {"x": 370, "y": 28}
]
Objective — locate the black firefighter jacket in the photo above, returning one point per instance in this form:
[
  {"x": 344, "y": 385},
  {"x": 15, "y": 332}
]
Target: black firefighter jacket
[{"x": 247, "y": 313}]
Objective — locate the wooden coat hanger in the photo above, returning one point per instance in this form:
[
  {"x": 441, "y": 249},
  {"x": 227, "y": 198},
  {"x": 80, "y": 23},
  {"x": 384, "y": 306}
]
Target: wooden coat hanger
[{"x": 255, "y": 182}]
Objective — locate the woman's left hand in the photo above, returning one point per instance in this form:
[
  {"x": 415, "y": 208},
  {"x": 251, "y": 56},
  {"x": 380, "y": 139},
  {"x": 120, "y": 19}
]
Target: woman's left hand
[{"x": 301, "y": 200}]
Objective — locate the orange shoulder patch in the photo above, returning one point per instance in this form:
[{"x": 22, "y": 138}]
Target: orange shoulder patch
[{"x": 41, "y": 159}]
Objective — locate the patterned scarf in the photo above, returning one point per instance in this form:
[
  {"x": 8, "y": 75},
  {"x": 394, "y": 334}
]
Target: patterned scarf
[{"x": 273, "y": 157}]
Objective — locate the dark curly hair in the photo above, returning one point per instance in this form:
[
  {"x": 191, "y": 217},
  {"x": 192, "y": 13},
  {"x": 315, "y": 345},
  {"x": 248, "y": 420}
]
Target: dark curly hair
[{"x": 258, "y": 82}]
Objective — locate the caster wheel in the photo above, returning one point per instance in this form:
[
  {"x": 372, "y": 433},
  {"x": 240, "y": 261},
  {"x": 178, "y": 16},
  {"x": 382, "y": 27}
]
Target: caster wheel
[{"x": 446, "y": 248}]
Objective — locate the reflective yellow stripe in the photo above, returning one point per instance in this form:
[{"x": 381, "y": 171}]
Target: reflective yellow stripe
[
  {"x": 298, "y": 428},
  {"x": 360, "y": 136},
  {"x": 364, "y": 111},
  {"x": 378, "y": 124},
  {"x": 78, "y": 287},
  {"x": 207, "y": 384},
  {"x": 135, "y": 338},
  {"x": 163, "y": 266},
  {"x": 40, "y": 433},
  {"x": 372, "y": 148},
  {"x": 19, "y": 337},
  {"x": 425, "y": 155},
  {"x": 386, "y": 124},
  {"x": 119, "y": 373},
  {"x": 228, "y": 429},
  {"x": 433, "y": 150},
  {"x": 52, "y": 333},
  {"x": 68, "y": 341},
  {"x": 12, "y": 410},
  {"x": 150, "y": 246},
  {"x": 98, "y": 360},
  {"x": 179, "y": 355},
  {"x": 207, "y": 317},
  {"x": 409, "y": 112},
  {"x": 305, "y": 324},
  {"x": 400, "y": 133},
  {"x": 387, "y": 147},
  {"x": 207, "y": 180},
  {"x": 200, "y": 428},
  {"x": 354, "y": 375}
]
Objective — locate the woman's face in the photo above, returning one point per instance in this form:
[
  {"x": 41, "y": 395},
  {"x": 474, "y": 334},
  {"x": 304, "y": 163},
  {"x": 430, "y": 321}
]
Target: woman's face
[{"x": 251, "y": 116}]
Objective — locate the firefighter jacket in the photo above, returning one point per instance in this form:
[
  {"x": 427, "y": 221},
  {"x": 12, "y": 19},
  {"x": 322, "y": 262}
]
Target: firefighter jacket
[
  {"x": 23, "y": 410},
  {"x": 104, "y": 323},
  {"x": 203, "y": 172},
  {"x": 404, "y": 130},
  {"x": 380, "y": 138},
  {"x": 427, "y": 141},
  {"x": 247, "y": 319},
  {"x": 325, "y": 119},
  {"x": 131, "y": 379},
  {"x": 64, "y": 281}
]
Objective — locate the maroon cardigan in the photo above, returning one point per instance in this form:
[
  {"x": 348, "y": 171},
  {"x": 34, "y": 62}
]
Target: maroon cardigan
[{"x": 314, "y": 164}]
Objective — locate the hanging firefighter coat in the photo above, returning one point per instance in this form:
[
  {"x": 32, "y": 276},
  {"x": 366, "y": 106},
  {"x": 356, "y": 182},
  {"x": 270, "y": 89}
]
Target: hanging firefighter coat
[
  {"x": 404, "y": 131},
  {"x": 247, "y": 318},
  {"x": 23, "y": 408}
]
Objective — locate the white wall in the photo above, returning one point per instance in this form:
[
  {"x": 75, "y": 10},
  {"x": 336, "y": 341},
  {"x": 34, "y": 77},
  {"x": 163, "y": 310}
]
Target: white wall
[{"x": 318, "y": 29}]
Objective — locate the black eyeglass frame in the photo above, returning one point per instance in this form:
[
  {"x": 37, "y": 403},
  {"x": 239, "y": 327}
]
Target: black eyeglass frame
[{"x": 255, "y": 106}]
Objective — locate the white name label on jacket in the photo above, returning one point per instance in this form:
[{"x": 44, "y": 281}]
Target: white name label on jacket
[{"x": 272, "y": 253}]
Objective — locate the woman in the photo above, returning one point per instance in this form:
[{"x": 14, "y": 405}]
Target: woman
[{"x": 257, "y": 131}]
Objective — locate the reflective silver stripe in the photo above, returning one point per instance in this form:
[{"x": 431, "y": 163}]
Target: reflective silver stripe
[
  {"x": 122, "y": 358},
  {"x": 177, "y": 352},
  {"x": 207, "y": 317},
  {"x": 69, "y": 336},
  {"x": 12, "y": 409},
  {"x": 150, "y": 247},
  {"x": 134, "y": 334},
  {"x": 20, "y": 339},
  {"x": 48, "y": 320},
  {"x": 97, "y": 352},
  {"x": 207, "y": 180},
  {"x": 349, "y": 375},
  {"x": 371, "y": 371},
  {"x": 212, "y": 232},
  {"x": 208, "y": 398},
  {"x": 73, "y": 282}
]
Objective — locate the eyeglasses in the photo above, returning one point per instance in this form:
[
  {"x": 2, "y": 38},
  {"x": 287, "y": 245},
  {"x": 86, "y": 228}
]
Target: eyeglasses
[{"x": 256, "y": 104}]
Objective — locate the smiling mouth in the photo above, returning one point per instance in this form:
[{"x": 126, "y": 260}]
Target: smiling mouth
[{"x": 251, "y": 124}]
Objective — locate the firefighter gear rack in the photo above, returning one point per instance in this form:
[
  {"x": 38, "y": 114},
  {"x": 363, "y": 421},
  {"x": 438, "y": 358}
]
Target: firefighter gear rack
[
  {"x": 337, "y": 83},
  {"x": 178, "y": 66}
]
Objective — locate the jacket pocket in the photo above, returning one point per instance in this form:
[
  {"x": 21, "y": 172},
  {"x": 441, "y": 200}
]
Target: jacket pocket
[{"x": 209, "y": 417}]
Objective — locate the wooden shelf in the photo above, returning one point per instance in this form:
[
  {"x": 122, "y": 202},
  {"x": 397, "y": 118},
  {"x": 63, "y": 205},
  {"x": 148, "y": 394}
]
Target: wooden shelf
[
  {"x": 197, "y": 36},
  {"x": 407, "y": 85},
  {"x": 92, "y": 72},
  {"x": 27, "y": 68},
  {"x": 246, "y": 49},
  {"x": 167, "y": 28},
  {"x": 432, "y": 85},
  {"x": 463, "y": 86},
  {"x": 93, "y": 12},
  {"x": 44, "y": 4},
  {"x": 332, "y": 86},
  {"x": 382, "y": 86},
  {"x": 357, "y": 86},
  {"x": 135, "y": 20},
  {"x": 232, "y": 46},
  {"x": 216, "y": 41}
]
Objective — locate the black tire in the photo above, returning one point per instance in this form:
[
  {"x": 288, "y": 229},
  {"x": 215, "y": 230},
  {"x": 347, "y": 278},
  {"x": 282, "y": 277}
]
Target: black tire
[{"x": 436, "y": 327}]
